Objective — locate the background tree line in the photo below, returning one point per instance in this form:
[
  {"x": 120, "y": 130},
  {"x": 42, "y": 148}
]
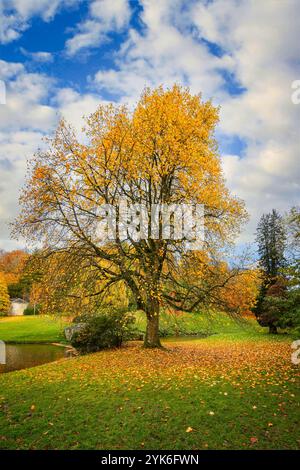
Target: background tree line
[{"x": 278, "y": 240}]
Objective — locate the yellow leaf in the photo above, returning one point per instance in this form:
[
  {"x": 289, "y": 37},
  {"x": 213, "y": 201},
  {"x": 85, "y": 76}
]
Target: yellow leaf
[{"x": 189, "y": 429}]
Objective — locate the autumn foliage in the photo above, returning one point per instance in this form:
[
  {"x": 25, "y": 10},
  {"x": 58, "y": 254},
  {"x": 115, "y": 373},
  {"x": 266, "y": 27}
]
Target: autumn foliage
[
  {"x": 4, "y": 297},
  {"x": 12, "y": 264},
  {"x": 240, "y": 294},
  {"x": 162, "y": 152}
]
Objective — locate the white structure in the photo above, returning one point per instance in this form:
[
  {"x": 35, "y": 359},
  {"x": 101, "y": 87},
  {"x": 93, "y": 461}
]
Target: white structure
[
  {"x": 17, "y": 307},
  {"x": 2, "y": 352}
]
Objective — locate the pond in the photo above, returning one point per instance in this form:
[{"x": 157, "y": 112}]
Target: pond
[{"x": 22, "y": 356}]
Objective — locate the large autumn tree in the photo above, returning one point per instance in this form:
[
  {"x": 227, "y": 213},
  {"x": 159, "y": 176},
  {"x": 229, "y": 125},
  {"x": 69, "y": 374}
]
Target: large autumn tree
[{"x": 162, "y": 152}]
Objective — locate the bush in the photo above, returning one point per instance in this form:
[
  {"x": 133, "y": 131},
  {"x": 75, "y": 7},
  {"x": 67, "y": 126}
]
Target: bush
[
  {"x": 280, "y": 311},
  {"x": 104, "y": 329},
  {"x": 31, "y": 310}
]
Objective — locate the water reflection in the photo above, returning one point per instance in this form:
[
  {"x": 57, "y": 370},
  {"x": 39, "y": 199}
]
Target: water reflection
[{"x": 22, "y": 356}]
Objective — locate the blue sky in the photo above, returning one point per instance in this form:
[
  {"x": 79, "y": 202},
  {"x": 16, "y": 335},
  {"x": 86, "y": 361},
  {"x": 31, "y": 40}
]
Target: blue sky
[{"x": 64, "y": 57}]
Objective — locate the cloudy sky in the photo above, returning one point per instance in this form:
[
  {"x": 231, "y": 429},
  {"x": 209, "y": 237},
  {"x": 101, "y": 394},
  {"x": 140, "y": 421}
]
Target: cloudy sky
[{"x": 64, "y": 57}]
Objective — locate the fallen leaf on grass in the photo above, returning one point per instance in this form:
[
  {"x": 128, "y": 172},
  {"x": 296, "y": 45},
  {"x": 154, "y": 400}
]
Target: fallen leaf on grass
[{"x": 189, "y": 429}]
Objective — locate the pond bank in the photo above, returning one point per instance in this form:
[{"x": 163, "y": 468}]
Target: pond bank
[{"x": 23, "y": 356}]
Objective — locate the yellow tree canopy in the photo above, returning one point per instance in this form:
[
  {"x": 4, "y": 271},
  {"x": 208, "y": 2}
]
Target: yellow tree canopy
[
  {"x": 4, "y": 297},
  {"x": 162, "y": 152},
  {"x": 12, "y": 264}
]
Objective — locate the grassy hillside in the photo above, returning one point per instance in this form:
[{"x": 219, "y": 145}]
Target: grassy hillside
[
  {"x": 199, "y": 394},
  {"x": 30, "y": 329},
  {"x": 50, "y": 329},
  {"x": 234, "y": 389},
  {"x": 199, "y": 323}
]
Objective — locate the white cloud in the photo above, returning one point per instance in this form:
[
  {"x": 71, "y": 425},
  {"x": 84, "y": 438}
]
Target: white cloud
[
  {"x": 24, "y": 120},
  {"x": 89, "y": 34},
  {"x": 164, "y": 52},
  {"x": 105, "y": 16},
  {"x": 262, "y": 41},
  {"x": 15, "y": 149},
  {"x": 40, "y": 56},
  {"x": 26, "y": 103},
  {"x": 260, "y": 49},
  {"x": 73, "y": 106},
  {"x": 16, "y": 15},
  {"x": 113, "y": 15},
  {"x": 33, "y": 108},
  {"x": 9, "y": 69}
]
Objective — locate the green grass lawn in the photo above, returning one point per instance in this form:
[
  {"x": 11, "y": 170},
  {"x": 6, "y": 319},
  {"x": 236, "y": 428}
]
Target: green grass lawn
[
  {"x": 202, "y": 323},
  {"x": 30, "y": 329},
  {"x": 47, "y": 329},
  {"x": 236, "y": 389}
]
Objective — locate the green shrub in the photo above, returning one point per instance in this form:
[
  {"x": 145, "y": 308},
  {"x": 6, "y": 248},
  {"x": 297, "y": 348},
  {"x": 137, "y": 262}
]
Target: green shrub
[
  {"x": 107, "y": 328},
  {"x": 32, "y": 310}
]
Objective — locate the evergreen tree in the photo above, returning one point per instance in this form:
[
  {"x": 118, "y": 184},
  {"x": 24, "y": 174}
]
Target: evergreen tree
[{"x": 271, "y": 240}]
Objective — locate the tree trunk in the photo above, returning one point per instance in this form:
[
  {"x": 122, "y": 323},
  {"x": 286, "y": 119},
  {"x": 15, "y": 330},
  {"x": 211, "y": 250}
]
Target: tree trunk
[
  {"x": 273, "y": 329},
  {"x": 152, "y": 330}
]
